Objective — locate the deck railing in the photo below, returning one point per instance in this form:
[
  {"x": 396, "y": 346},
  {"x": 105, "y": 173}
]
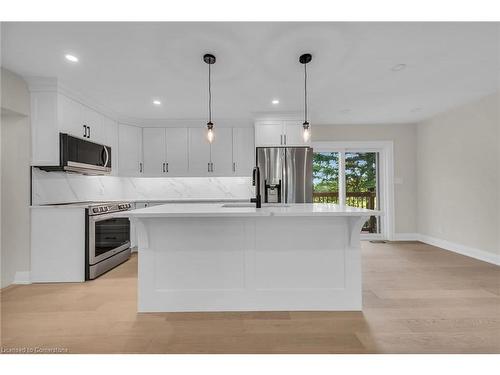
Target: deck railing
[{"x": 362, "y": 199}]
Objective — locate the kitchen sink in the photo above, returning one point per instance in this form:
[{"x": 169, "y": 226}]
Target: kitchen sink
[
  {"x": 264, "y": 205},
  {"x": 231, "y": 205}
]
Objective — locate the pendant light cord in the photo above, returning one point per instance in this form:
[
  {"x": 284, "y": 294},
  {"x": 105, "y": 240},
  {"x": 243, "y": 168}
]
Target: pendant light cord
[
  {"x": 305, "y": 93},
  {"x": 209, "y": 95}
]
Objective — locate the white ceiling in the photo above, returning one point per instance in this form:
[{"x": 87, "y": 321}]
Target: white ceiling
[{"x": 124, "y": 66}]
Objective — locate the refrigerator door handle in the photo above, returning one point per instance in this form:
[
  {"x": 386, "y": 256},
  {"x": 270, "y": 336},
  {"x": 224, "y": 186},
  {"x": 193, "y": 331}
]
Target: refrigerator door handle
[{"x": 284, "y": 176}]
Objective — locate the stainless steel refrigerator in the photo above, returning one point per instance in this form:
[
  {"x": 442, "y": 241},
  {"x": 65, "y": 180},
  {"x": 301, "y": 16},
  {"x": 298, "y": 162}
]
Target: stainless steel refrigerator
[{"x": 286, "y": 174}]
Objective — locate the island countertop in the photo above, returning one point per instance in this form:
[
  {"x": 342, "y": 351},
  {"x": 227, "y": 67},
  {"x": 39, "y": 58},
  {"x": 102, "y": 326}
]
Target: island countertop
[{"x": 242, "y": 210}]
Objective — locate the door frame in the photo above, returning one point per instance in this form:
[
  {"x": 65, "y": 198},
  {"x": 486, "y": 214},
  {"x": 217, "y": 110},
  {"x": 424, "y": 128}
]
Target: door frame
[{"x": 386, "y": 177}]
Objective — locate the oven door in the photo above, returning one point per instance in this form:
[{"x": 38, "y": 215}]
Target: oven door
[{"x": 108, "y": 235}]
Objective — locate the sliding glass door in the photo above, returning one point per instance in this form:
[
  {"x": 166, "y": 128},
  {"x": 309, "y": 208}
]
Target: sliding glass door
[
  {"x": 349, "y": 177},
  {"x": 361, "y": 184},
  {"x": 326, "y": 177}
]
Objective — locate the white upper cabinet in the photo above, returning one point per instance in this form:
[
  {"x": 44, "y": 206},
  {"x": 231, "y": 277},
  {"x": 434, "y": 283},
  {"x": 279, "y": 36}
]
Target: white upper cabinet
[
  {"x": 243, "y": 151},
  {"x": 222, "y": 153},
  {"x": 268, "y": 133},
  {"x": 44, "y": 129},
  {"x": 71, "y": 117},
  {"x": 130, "y": 151},
  {"x": 79, "y": 120},
  {"x": 173, "y": 152},
  {"x": 199, "y": 152},
  {"x": 165, "y": 152},
  {"x": 154, "y": 151},
  {"x": 148, "y": 152},
  {"x": 177, "y": 161},
  {"x": 277, "y": 133},
  {"x": 110, "y": 138},
  {"x": 294, "y": 133},
  {"x": 93, "y": 121},
  {"x": 54, "y": 113}
]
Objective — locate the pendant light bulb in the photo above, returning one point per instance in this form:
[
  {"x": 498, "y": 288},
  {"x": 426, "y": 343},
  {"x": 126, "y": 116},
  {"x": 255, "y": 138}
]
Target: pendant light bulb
[
  {"x": 210, "y": 132},
  {"x": 307, "y": 132}
]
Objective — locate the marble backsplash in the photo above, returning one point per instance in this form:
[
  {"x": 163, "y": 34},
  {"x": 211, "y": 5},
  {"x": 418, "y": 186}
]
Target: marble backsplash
[{"x": 60, "y": 187}]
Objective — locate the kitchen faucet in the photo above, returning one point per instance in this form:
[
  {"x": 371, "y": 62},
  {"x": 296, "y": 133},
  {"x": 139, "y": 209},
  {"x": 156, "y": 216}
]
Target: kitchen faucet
[{"x": 256, "y": 182}]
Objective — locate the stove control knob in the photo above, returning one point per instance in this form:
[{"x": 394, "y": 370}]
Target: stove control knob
[{"x": 95, "y": 210}]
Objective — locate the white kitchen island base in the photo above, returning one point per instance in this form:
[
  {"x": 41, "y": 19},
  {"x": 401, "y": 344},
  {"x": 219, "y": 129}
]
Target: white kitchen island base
[{"x": 260, "y": 262}]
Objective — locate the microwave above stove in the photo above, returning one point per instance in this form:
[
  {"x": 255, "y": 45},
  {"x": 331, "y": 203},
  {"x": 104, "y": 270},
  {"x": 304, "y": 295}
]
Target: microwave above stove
[{"x": 81, "y": 156}]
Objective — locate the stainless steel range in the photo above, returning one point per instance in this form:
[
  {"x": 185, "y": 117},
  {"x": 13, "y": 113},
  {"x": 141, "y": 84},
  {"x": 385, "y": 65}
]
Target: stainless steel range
[{"x": 107, "y": 238}]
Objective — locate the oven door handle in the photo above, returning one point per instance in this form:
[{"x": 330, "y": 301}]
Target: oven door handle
[{"x": 97, "y": 218}]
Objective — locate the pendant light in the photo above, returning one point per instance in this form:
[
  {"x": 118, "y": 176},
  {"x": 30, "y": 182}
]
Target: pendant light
[
  {"x": 305, "y": 59},
  {"x": 209, "y": 59}
]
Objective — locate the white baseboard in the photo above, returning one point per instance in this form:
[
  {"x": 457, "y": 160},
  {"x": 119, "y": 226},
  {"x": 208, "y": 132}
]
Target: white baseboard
[
  {"x": 371, "y": 236},
  {"x": 450, "y": 246},
  {"x": 22, "y": 277},
  {"x": 406, "y": 237},
  {"x": 461, "y": 249}
]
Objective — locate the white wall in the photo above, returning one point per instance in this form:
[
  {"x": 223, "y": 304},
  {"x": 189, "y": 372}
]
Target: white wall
[
  {"x": 15, "y": 179},
  {"x": 459, "y": 176},
  {"x": 404, "y": 138}
]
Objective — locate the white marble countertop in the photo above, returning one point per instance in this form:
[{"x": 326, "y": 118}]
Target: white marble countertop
[
  {"x": 163, "y": 201},
  {"x": 222, "y": 210}
]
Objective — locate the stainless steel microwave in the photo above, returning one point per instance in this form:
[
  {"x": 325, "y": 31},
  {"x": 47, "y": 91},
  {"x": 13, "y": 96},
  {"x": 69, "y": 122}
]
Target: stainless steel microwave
[{"x": 81, "y": 156}]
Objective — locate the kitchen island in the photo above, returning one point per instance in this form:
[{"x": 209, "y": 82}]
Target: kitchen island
[{"x": 234, "y": 257}]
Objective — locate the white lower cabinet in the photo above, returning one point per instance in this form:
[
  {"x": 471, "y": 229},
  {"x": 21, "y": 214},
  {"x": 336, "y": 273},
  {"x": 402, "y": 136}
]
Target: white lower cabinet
[
  {"x": 57, "y": 244},
  {"x": 130, "y": 151}
]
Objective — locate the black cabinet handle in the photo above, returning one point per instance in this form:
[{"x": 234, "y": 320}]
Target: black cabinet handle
[
  {"x": 163, "y": 167},
  {"x": 84, "y": 131},
  {"x": 167, "y": 166},
  {"x": 89, "y": 131}
]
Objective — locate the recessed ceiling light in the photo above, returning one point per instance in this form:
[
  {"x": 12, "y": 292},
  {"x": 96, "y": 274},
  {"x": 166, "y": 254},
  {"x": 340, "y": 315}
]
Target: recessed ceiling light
[
  {"x": 275, "y": 101},
  {"x": 71, "y": 58},
  {"x": 156, "y": 102},
  {"x": 398, "y": 67}
]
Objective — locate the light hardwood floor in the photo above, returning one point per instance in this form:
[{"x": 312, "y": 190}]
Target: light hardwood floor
[{"x": 417, "y": 299}]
